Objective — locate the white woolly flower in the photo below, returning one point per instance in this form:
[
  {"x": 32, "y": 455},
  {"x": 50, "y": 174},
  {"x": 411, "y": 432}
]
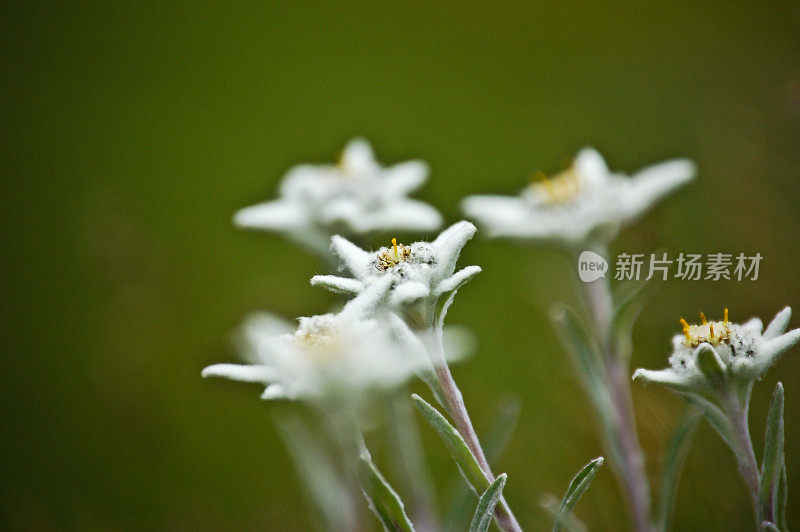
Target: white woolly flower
[
  {"x": 355, "y": 196},
  {"x": 738, "y": 354},
  {"x": 585, "y": 203},
  {"x": 338, "y": 355},
  {"x": 420, "y": 272}
]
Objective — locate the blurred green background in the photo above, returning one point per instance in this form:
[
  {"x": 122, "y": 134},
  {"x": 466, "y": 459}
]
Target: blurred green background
[{"x": 132, "y": 132}]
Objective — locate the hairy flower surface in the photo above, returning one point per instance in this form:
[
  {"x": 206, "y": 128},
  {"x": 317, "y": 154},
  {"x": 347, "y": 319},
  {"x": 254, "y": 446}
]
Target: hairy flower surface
[
  {"x": 355, "y": 196},
  {"x": 584, "y": 203},
  {"x": 742, "y": 351},
  {"x": 341, "y": 355},
  {"x": 420, "y": 272}
]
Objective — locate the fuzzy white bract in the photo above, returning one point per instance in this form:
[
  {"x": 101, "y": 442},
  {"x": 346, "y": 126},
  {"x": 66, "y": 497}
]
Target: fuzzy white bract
[
  {"x": 340, "y": 356},
  {"x": 354, "y": 197},
  {"x": 584, "y": 204},
  {"x": 420, "y": 273},
  {"x": 743, "y": 352}
]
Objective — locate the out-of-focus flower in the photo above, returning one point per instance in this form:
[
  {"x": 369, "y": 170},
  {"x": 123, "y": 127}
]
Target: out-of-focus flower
[
  {"x": 420, "y": 273},
  {"x": 354, "y": 197},
  {"x": 339, "y": 355},
  {"x": 585, "y": 203},
  {"x": 742, "y": 352}
]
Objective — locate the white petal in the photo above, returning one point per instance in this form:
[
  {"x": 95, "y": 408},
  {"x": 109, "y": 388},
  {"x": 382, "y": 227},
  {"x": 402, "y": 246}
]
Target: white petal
[
  {"x": 666, "y": 377},
  {"x": 340, "y": 285},
  {"x": 406, "y": 214},
  {"x": 448, "y": 246},
  {"x": 410, "y": 342},
  {"x": 455, "y": 281},
  {"x": 337, "y": 210},
  {"x": 265, "y": 324},
  {"x": 274, "y": 391},
  {"x": 364, "y": 305},
  {"x": 771, "y": 350},
  {"x": 299, "y": 180},
  {"x": 256, "y": 334},
  {"x": 277, "y": 215},
  {"x": 677, "y": 341},
  {"x": 778, "y": 324},
  {"x": 359, "y": 158},
  {"x": 754, "y": 325},
  {"x": 591, "y": 166},
  {"x": 654, "y": 183},
  {"x": 240, "y": 372},
  {"x": 355, "y": 259},
  {"x": 496, "y": 211},
  {"x": 403, "y": 178},
  {"x": 408, "y": 292}
]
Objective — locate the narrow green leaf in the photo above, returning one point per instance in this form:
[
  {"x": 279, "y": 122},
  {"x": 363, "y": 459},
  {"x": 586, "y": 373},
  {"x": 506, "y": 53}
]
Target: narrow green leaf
[
  {"x": 780, "y": 503},
  {"x": 462, "y": 498},
  {"x": 579, "y": 484},
  {"x": 455, "y": 444},
  {"x": 569, "y": 522},
  {"x": 586, "y": 356},
  {"x": 766, "y": 526},
  {"x": 674, "y": 457},
  {"x": 428, "y": 376},
  {"x": 485, "y": 510},
  {"x": 626, "y": 314},
  {"x": 715, "y": 417},
  {"x": 501, "y": 429},
  {"x": 710, "y": 365},
  {"x": 773, "y": 457},
  {"x": 383, "y": 500}
]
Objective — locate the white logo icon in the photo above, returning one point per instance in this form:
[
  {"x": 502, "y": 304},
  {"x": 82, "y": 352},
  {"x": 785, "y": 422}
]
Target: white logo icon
[{"x": 591, "y": 266}]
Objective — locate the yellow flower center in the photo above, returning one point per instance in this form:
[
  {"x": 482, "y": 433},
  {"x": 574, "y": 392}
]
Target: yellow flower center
[
  {"x": 394, "y": 256},
  {"x": 321, "y": 346},
  {"x": 560, "y": 188},
  {"x": 712, "y": 332}
]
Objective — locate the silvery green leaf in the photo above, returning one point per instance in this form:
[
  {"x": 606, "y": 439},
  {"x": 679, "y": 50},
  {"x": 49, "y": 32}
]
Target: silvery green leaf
[
  {"x": 495, "y": 441},
  {"x": 766, "y": 526},
  {"x": 715, "y": 417},
  {"x": 586, "y": 356},
  {"x": 383, "y": 500},
  {"x": 503, "y": 426},
  {"x": 428, "y": 376},
  {"x": 569, "y": 522},
  {"x": 579, "y": 484},
  {"x": 773, "y": 457},
  {"x": 675, "y": 456},
  {"x": 780, "y": 503},
  {"x": 455, "y": 444},
  {"x": 710, "y": 365},
  {"x": 628, "y": 311},
  {"x": 485, "y": 510}
]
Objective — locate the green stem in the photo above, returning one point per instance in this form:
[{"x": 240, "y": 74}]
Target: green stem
[
  {"x": 630, "y": 469},
  {"x": 458, "y": 411},
  {"x": 737, "y": 412}
]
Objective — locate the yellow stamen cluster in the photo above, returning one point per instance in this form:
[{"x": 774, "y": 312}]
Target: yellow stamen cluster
[
  {"x": 392, "y": 257},
  {"x": 560, "y": 188},
  {"x": 714, "y": 332}
]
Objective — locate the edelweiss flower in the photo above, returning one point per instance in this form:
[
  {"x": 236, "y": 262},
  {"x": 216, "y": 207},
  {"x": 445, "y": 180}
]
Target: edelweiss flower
[
  {"x": 584, "y": 203},
  {"x": 355, "y": 196},
  {"x": 340, "y": 355},
  {"x": 742, "y": 352},
  {"x": 419, "y": 273}
]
